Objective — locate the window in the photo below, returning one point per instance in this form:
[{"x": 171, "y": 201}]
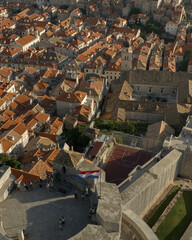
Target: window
[
  {"x": 162, "y": 90},
  {"x": 150, "y": 89}
]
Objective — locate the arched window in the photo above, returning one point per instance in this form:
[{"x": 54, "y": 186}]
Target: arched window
[{"x": 63, "y": 170}]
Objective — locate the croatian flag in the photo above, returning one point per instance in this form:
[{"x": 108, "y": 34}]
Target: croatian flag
[{"x": 89, "y": 174}]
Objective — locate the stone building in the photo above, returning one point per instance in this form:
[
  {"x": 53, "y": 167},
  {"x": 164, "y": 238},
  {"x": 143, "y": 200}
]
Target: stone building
[
  {"x": 6, "y": 182},
  {"x": 151, "y": 96},
  {"x": 126, "y": 57},
  {"x": 183, "y": 143},
  {"x": 158, "y": 132},
  {"x": 66, "y": 102},
  {"x": 149, "y": 6}
]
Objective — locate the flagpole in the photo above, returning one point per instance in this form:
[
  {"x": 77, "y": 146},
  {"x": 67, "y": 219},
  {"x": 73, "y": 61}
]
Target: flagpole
[{"x": 100, "y": 181}]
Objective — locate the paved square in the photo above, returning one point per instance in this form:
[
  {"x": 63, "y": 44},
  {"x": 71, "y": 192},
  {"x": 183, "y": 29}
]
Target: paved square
[{"x": 38, "y": 212}]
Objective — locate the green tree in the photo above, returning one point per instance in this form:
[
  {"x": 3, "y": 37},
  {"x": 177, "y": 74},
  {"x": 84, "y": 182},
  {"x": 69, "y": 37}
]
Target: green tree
[
  {"x": 5, "y": 159},
  {"x": 76, "y": 137},
  {"x": 63, "y": 7},
  {"x": 127, "y": 127},
  {"x": 134, "y": 11}
]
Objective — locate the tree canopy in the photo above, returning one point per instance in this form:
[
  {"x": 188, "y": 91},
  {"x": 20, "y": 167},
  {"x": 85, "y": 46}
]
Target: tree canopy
[
  {"x": 5, "y": 159},
  {"x": 76, "y": 137},
  {"x": 135, "y": 128}
]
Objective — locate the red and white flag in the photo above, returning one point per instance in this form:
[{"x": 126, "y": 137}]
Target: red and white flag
[{"x": 89, "y": 174}]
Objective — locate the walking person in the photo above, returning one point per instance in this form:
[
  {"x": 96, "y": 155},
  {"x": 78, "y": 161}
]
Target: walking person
[
  {"x": 87, "y": 192},
  {"x": 47, "y": 185},
  {"x": 75, "y": 194},
  {"x": 62, "y": 223},
  {"x": 82, "y": 195}
]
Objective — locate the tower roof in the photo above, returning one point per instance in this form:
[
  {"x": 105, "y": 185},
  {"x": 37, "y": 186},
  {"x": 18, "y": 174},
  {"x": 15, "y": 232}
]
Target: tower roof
[{"x": 126, "y": 44}]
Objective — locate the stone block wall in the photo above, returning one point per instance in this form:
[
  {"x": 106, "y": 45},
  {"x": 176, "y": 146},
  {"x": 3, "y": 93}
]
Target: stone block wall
[
  {"x": 133, "y": 227},
  {"x": 108, "y": 213},
  {"x": 186, "y": 165},
  {"x": 5, "y": 173},
  {"x": 141, "y": 195}
]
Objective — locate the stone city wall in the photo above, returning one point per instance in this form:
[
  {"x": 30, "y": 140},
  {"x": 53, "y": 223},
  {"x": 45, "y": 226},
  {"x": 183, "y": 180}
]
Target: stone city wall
[
  {"x": 135, "y": 228},
  {"x": 146, "y": 117},
  {"x": 141, "y": 195},
  {"x": 5, "y": 173},
  {"x": 186, "y": 166}
]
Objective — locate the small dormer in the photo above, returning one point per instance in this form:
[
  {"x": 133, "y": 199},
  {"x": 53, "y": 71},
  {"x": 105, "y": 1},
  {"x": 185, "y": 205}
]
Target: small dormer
[
  {"x": 157, "y": 108},
  {"x": 139, "y": 107}
]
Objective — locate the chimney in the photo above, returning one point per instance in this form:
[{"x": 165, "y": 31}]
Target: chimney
[
  {"x": 11, "y": 138},
  {"x": 92, "y": 105}
]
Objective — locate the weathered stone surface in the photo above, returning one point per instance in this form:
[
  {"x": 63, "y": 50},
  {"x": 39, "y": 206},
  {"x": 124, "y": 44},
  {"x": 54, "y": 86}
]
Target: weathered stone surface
[
  {"x": 6, "y": 182},
  {"x": 186, "y": 164},
  {"x": 109, "y": 207},
  {"x": 142, "y": 193},
  {"x": 134, "y": 226},
  {"x": 38, "y": 212},
  {"x": 92, "y": 232},
  {"x": 188, "y": 233}
]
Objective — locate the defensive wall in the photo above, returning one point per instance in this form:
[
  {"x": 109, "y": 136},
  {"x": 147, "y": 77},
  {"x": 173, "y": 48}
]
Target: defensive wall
[
  {"x": 135, "y": 228},
  {"x": 120, "y": 208},
  {"x": 141, "y": 194},
  {"x": 144, "y": 143},
  {"x": 6, "y": 182}
]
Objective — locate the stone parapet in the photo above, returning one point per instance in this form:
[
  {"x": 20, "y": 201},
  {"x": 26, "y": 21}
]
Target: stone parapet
[
  {"x": 108, "y": 212},
  {"x": 135, "y": 228},
  {"x": 5, "y": 172},
  {"x": 92, "y": 232},
  {"x": 142, "y": 193}
]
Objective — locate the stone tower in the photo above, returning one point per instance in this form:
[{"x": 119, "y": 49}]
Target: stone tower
[
  {"x": 126, "y": 57},
  {"x": 186, "y": 164}
]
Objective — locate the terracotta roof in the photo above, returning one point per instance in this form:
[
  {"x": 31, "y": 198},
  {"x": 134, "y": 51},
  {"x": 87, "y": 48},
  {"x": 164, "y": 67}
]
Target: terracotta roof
[
  {"x": 20, "y": 128},
  {"x": 52, "y": 137},
  {"x": 25, "y": 40},
  {"x": 41, "y": 169},
  {"x": 96, "y": 148},
  {"x": 6, "y": 144},
  {"x": 24, "y": 177},
  {"x": 69, "y": 158},
  {"x": 76, "y": 97}
]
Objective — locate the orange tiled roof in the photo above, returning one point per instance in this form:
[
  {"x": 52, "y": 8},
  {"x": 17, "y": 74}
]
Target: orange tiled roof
[
  {"x": 6, "y": 144},
  {"x": 25, "y": 40},
  {"x": 76, "y": 97},
  {"x": 24, "y": 177}
]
